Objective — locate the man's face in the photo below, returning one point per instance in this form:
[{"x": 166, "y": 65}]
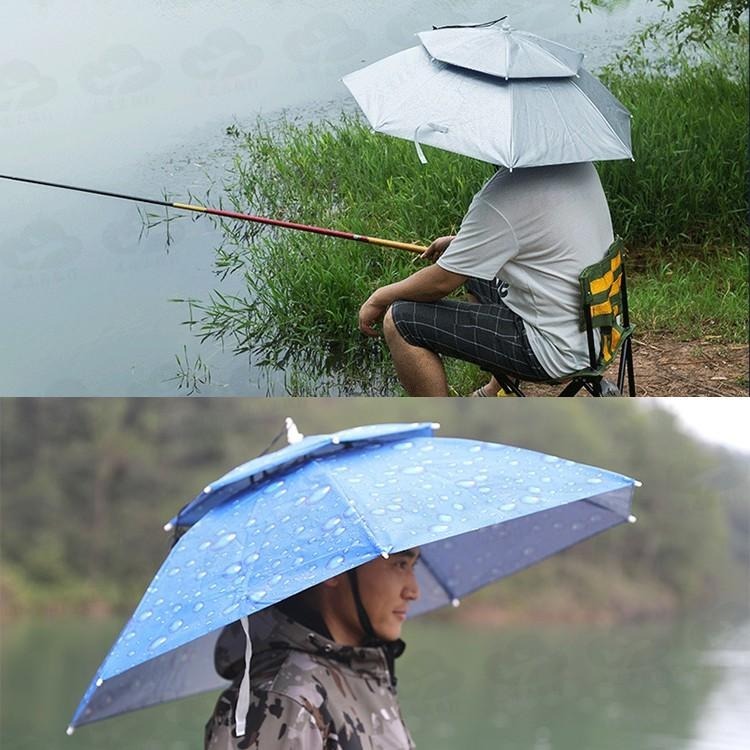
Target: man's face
[{"x": 387, "y": 588}]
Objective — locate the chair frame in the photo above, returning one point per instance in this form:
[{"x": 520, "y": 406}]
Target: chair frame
[{"x": 591, "y": 379}]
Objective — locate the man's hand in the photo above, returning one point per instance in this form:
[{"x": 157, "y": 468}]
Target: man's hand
[
  {"x": 437, "y": 248},
  {"x": 426, "y": 285},
  {"x": 369, "y": 314}
]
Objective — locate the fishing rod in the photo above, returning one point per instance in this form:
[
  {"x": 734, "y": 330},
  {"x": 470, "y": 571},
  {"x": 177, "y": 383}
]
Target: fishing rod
[{"x": 229, "y": 215}]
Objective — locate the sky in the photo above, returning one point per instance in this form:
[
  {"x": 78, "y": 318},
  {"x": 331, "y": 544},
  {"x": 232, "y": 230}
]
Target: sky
[{"x": 725, "y": 421}]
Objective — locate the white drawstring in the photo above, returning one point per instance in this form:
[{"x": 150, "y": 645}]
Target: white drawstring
[
  {"x": 432, "y": 126},
  {"x": 243, "y": 698}
]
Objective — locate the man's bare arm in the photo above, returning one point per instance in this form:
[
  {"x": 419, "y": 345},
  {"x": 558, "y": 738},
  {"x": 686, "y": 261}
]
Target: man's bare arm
[{"x": 426, "y": 285}]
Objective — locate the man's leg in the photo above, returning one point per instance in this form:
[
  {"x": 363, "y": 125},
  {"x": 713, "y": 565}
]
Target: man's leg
[
  {"x": 492, "y": 387},
  {"x": 419, "y": 370}
]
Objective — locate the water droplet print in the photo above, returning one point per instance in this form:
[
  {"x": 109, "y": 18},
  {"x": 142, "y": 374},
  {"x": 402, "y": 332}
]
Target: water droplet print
[
  {"x": 335, "y": 562},
  {"x": 318, "y": 495},
  {"x": 405, "y": 446},
  {"x": 224, "y": 540}
]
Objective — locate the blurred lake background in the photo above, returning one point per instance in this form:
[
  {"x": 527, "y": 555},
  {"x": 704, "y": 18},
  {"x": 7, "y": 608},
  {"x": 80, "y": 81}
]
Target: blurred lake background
[{"x": 638, "y": 638}]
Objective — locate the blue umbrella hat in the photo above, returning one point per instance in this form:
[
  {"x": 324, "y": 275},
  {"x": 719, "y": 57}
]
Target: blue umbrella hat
[{"x": 325, "y": 504}]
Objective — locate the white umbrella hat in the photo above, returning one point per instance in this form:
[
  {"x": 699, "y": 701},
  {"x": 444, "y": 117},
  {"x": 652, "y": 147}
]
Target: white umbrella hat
[{"x": 513, "y": 123}]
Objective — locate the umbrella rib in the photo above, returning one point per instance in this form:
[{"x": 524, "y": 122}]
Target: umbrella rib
[
  {"x": 593, "y": 502},
  {"x": 368, "y": 530},
  {"x": 599, "y": 113},
  {"x": 557, "y": 107},
  {"x": 451, "y": 594},
  {"x": 547, "y": 52}
]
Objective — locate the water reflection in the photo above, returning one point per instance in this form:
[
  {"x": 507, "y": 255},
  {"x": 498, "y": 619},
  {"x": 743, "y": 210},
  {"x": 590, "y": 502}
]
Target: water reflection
[{"x": 668, "y": 686}]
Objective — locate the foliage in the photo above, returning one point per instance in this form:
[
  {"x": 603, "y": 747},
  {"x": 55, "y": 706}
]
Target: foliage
[
  {"x": 687, "y": 185},
  {"x": 297, "y": 309},
  {"x": 698, "y": 24},
  {"x": 693, "y": 298},
  {"x": 88, "y": 484}
]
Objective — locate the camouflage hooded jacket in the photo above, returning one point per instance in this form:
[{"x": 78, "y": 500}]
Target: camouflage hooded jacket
[{"x": 307, "y": 692}]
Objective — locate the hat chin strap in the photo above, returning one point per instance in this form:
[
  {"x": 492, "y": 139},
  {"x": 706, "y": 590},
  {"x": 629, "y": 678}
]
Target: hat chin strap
[
  {"x": 243, "y": 697},
  {"x": 364, "y": 619}
]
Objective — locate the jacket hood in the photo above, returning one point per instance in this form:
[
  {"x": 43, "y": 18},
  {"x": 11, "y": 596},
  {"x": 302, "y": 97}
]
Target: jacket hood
[{"x": 274, "y": 633}]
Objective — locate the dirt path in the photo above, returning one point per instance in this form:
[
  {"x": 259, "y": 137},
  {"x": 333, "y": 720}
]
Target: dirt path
[{"x": 665, "y": 367}]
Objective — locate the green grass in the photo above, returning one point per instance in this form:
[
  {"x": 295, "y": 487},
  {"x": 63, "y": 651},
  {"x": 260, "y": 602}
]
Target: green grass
[
  {"x": 688, "y": 184},
  {"x": 681, "y": 207},
  {"x": 693, "y": 298}
]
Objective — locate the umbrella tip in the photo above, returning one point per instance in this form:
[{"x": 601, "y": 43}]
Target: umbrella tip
[
  {"x": 632, "y": 519},
  {"x": 435, "y": 425},
  {"x": 293, "y": 435},
  {"x": 70, "y": 730},
  {"x": 168, "y": 526},
  {"x": 638, "y": 484},
  {"x": 99, "y": 682},
  {"x": 455, "y": 602},
  {"x": 207, "y": 489}
]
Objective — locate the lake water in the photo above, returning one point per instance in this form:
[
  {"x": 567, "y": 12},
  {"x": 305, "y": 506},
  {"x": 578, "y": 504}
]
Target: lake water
[
  {"x": 683, "y": 685},
  {"x": 135, "y": 98}
]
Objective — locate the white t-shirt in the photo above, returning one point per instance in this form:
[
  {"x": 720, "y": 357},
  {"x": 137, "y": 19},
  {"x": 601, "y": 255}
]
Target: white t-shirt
[{"x": 536, "y": 229}]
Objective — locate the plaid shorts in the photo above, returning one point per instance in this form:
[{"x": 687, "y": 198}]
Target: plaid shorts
[{"x": 487, "y": 333}]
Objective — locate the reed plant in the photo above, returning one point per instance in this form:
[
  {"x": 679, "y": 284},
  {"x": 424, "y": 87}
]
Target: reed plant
[{"x": 681, "y": 207}]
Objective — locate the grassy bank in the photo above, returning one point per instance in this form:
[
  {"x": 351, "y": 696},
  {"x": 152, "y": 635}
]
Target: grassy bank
[
  {"x": 681, "y": 206},
  {"x": 568, "y": 591}
]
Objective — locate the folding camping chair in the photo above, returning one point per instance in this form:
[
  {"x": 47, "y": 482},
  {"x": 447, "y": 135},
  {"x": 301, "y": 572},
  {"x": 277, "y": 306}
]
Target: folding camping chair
[{"x": 604, "y": 306}]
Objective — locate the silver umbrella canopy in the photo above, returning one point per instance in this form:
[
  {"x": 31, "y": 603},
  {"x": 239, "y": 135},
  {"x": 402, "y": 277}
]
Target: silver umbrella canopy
[
  {"x": 528, "y": 122},
  {"x": 497, "y": 49}
]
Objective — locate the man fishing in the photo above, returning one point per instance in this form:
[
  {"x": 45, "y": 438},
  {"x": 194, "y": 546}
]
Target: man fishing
[
  {"x": 322, "y": 669},
  {"x": 522, "y": 244}
]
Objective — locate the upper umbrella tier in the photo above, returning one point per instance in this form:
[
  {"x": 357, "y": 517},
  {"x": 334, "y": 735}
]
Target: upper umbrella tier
[
  {"x": 308, "y": 449},
  {"x": 501, "y": 51}
]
